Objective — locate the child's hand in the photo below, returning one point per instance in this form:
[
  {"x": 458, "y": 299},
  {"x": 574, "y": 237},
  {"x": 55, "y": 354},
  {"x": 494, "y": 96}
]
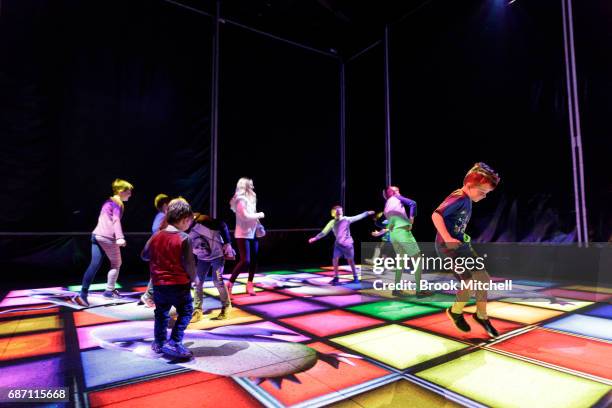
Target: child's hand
[
  {"x": 121, "y": 242},
  {"x": 311, "y": 240},
  {"x": 452, "y": 243},
  {"x": 371, "y": 212},
  {"x": 377, "y": 234},
  {"x": 260, "y": 215}
]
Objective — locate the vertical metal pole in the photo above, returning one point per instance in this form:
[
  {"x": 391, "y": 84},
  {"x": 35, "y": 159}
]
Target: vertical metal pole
[
  {"x": 214, "y": 115},
  {"x": 574, "y": 122},
  {"x": 342, "y": 135},
  {"x": 387, "y": 111}
]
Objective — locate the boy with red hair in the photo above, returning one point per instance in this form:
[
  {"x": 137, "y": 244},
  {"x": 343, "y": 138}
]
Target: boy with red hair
[{"x": 450, "y": 219}]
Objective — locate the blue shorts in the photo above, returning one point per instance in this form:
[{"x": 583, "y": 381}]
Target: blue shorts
[
  {"x": 346, "y": 252},
  {"x": 464, "y": 250}
]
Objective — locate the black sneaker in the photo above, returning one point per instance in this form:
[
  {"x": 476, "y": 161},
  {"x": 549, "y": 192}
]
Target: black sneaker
[
  {"x": 458, "y": 320},
  {"x": 176, "y": 350},
  {"x": 486, "y": 324},
  {"x": 156, "y": 347},
  {"x": 334, "y": 281}
]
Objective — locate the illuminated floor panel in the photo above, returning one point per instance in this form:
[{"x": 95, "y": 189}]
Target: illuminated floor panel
[
  {"x": 575, "y": 294},
  {"x": 564, "y": 305},
  {"x": 584, "y": 325},
  {"x": 500, "y": 381},
  {"x": 102, "y": 367},
  {"x": 517, "y": 313},
  {"x": 330, "y": 323},
  {"x": 48, "y": 372},
  {"x": 398, "y": 394},
  {"x": 604, "y": 311},
  {"x": 393, "y": 310},
  {"x": 324, "y": 378},
  {"x": 173, "y": 391},
  {"x": 28, "y": 325},
  {"x": 313, "y": 344},
  {"x": 576, "y": 353},
  {"x": 398, "y": 346},
  {"x": 31, "y": 345},
  {"x": 284, "y": 308},
  {"x": 440, "y": 323}
]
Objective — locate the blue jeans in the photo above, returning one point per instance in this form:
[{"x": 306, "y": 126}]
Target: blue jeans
[
  {"x": 97, "y": 255},
  {"x": 166, "y": 296}
]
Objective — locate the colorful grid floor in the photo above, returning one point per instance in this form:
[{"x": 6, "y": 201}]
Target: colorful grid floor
[{"x": 302, "y": 342}]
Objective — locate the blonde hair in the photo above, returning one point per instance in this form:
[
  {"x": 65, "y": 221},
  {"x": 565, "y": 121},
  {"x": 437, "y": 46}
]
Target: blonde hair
[
  {"x": 244, "y": 188},
  {"x": 121, "y": 185},
  {"x": 160, "y": 200}
]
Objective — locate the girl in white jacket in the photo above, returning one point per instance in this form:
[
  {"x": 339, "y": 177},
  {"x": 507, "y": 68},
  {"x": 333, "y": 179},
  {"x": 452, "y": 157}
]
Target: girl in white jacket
[{"x": 243, "y": 203}]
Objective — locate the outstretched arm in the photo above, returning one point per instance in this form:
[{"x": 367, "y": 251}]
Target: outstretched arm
[
  {"x": 359, "y": 217},
  {"x": 323, "y": 233}
]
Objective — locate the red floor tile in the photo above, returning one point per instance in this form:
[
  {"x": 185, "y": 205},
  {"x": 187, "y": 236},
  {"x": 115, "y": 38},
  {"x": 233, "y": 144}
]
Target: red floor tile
[
  {"x": 440, "y": 323},
  {"x": 329, "y": 323},
  {"x": 576, "y": 353}
]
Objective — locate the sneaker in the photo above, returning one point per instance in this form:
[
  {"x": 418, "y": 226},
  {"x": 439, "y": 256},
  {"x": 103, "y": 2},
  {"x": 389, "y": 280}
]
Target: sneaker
[
  {"x": 112, "y": 294},
  {"x": 196, "y": 316},
  {"x": 224, "y": 314},
  {"x": 156, "y": 347},
  {"x": 147, "y": 301},
  {"x": 335, "y": 281},
  {"x": 81, "y": 301},
  {"x": 458, "y": 320},
  {"x": 250, "y": 289},
  {"x": 486, "y": 324},
  {"x": 176, "y": 350}
]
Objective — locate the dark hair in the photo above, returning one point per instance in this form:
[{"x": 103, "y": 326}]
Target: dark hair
[{"x": 178, "y": 209}]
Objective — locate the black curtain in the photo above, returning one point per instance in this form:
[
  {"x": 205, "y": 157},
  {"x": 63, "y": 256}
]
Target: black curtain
[
  {"x": 279, "y": 125},
  {"x": 593, "y": 39},
  {"x": 484, "y": 81}
]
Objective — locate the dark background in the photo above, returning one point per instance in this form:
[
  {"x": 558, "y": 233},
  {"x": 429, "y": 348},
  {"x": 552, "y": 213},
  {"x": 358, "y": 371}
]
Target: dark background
[{"x": 91, "y": 91}]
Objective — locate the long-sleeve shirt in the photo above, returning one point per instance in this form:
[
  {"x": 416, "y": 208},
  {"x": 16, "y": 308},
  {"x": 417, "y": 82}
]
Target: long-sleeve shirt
[
  {"x": 246, "y": 216},
  {"x": 170, "y": 257},
  {"x": 208, "y": 238},
  {"x": 342, "y": 229},
  {"x": 395, "y": 211},
  {"x": 109, "y": 221},
  {"x": 157, "y": 221}
]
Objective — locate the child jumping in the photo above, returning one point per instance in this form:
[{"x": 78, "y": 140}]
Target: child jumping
[
  {"x": 211, "y": 245},
  {"x": 172, "y": 267},
  {"x": 107, "y": 238},
  {"x": 343, "y": 247},
  {"x": 450, "y": 219}
]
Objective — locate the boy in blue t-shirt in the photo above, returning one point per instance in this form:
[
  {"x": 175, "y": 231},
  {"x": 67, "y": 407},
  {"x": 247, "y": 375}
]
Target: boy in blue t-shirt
[{"x": 450, "y": 219}]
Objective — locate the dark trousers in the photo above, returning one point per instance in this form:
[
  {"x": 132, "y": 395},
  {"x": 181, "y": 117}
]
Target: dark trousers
[
  {"x": 247, "y": 251},
  {"x": 166, "y": 296}
]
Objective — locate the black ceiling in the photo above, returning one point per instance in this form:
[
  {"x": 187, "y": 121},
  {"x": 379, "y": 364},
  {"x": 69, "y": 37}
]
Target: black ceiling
[{"x": 345, "y": 26}]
